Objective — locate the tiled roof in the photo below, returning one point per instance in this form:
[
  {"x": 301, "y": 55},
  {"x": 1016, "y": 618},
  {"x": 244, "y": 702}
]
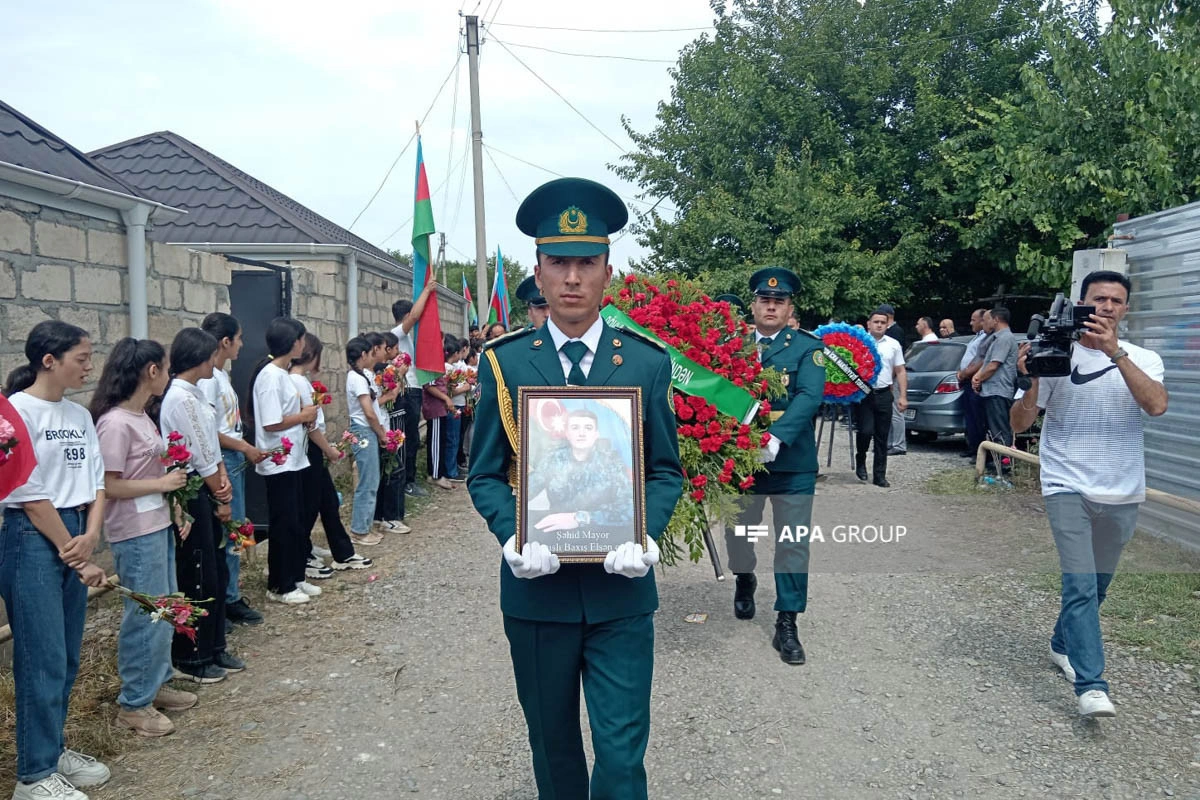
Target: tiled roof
[
  {"x": 223, "y": 203},
  {"x": 27, "y": 144}
]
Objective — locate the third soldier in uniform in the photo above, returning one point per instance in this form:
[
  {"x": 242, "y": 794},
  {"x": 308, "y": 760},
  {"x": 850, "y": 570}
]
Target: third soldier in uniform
[
  {"x": 791, "y": 460},
  {"x": 529, "y": 294}
]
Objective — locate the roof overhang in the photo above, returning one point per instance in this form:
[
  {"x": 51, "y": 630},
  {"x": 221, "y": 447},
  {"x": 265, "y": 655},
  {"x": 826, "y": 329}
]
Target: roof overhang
[{"x": 78, "y": 196}]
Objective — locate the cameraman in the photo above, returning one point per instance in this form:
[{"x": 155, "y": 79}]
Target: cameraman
[{"x": 1093, "y": 472}]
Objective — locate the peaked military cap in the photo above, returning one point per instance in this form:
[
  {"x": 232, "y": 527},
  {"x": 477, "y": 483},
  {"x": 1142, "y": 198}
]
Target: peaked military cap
[
  {"x": 572, "y": 217},
  {"x": 529, "y": 293},
  {"x": 774, "y": 282},
  {"x": 733, "y": 300}
]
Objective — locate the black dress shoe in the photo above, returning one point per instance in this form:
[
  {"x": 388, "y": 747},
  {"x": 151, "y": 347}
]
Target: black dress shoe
[
  {"x": 786, "y": 641},
  {"x": 861, "y": 472},
  {"x": 743, "y": 596},
  {"x": 241, "y": 612},
  {"x": 882, "y": 482}
]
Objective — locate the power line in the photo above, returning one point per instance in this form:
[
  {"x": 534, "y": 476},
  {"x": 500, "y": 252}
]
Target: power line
[
  {"x": 408, "y": 144},
  {"x": 450, "y": 146},
  {"x": 591, "y": 55},
  {"x": 404, "y": 224},
  {"x": 496, "y": 13},
  {"x": 462, "y": 182},
  {"x": 603, "y": 30},
  {"x": 501, "y": 174},
  {"x": 560, "y": 96}
]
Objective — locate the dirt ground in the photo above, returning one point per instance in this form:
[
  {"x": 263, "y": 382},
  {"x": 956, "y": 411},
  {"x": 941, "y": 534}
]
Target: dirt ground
[{"x": 927, "y": 676}]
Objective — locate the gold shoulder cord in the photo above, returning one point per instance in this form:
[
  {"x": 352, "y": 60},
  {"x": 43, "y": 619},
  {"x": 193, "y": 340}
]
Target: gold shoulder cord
[{"x": 504, "y": 401}]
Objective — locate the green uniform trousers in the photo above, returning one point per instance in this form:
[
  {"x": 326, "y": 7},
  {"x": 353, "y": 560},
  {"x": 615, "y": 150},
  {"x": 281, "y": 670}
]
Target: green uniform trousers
[
  {"x": 615, "y": 661},
  {"x": 791, "y": 496}
]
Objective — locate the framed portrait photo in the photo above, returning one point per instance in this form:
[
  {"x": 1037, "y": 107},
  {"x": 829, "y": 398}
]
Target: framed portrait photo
[{"x": 582, "y": 484}]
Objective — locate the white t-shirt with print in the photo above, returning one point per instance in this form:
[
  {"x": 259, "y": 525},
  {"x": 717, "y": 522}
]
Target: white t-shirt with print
[
  {"x": 276, "y": 397},
  {"x": 459, "y": 400},
  {"x": 69, "y": 469},
  {"x": 224, "y": 400},
  {"x": 1092, "y": 437},
  {"x": 305, "y": 387}
]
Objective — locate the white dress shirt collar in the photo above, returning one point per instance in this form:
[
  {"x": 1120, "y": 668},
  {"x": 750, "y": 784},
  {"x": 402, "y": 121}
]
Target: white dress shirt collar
[{"x": 591, "y": 337}]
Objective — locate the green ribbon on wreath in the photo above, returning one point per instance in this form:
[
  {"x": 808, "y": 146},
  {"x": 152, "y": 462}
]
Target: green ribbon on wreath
[{"x": 689, "y": 377}]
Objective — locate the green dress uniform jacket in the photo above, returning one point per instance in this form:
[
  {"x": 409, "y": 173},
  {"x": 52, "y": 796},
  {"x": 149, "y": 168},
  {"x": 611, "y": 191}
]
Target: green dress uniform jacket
[
  {"x": 799, "y": 356},
  {"x": 577, "y": 592}
]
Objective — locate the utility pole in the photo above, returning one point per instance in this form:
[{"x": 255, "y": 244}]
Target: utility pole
[
  {"x": 441, "y": 256},
  {"x": 481, "y": 267}
]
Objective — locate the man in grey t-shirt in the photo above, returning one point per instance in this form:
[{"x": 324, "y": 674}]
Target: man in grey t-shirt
[{"x": 996, "y": 380}]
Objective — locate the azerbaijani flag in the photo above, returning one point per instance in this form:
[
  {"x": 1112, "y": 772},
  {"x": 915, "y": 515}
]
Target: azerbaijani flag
[
  {"x": 430, "y": 360},
  {"x": 499, "y": 305},
  {"x": 473, "y": 317}
]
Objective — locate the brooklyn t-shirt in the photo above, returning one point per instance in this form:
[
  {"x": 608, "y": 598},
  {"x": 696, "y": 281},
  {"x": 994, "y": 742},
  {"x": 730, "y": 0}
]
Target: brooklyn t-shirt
[{"x": 69, "y": 468}]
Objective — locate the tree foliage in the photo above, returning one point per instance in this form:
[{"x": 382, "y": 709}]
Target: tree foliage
[{"x": 914, "y": 149}]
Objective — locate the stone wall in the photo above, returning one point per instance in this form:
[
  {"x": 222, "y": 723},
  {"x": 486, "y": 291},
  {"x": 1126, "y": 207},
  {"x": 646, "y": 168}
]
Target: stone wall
[{"x": 59, "y": 265}]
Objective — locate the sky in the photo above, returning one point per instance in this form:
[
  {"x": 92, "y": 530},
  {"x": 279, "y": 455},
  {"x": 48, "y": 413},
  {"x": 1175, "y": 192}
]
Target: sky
[{"x": 318, "y": 99}]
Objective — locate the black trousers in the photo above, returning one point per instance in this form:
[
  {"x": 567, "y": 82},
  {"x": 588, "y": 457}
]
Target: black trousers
[
  {"x": 976, "y": 426},
  {"x": 389, "y": 499},
  {"x": 874, "y": 414},
  {"x": 289, "y": 539},
  {"x": 999, "y": 426},
  {"x": 412, "y": 434},
  {"x": 435, "y": 459},
  {"x": 202, "y": 573},
  {"x": 320, "y": 500}
]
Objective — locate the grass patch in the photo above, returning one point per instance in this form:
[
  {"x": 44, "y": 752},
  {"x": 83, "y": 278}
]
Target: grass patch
[
  {"x": 90, "y": 721},
  {"x": 963, "y": 481}
]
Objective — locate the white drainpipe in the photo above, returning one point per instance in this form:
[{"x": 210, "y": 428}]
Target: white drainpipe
[
  {"x": 352, "y": 294},
  {"x": 135, "y": 250}
]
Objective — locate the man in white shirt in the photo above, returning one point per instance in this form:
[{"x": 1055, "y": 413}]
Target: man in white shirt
[
  {"x": 1093, "y": 472},
  {"x": 925, "y": 329},
  {"x": 972, "y": 360},
  {"x": 874, "y": 412},
  {"x": 406, "y": 313}
]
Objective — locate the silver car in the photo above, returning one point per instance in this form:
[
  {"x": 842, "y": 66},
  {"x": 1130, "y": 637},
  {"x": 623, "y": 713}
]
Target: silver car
[{"x": 935, "y": 405}]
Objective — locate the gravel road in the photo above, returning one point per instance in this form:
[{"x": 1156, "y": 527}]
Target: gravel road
[{"x": 927, "y": 677}]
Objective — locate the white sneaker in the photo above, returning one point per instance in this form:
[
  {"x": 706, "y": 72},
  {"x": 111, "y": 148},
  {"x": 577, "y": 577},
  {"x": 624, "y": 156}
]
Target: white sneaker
[
  {"x": 315, "y": 561},
  {"x": 308, "y": 588},
  {"x": 384, "y": 526},
  {"x": 82, "y": 770},
  {"x": 1063, "y": 663},
  {"x": 1095, "y": 703},
  {"x": 353, "y": 562},
  {"x": 321, "y": 552},
  {"x": 319, "y": 574},
  {"x": 52, "y": 787},
  {"x": 398, "y": 526},
  {"x": 293, "y": 598}
]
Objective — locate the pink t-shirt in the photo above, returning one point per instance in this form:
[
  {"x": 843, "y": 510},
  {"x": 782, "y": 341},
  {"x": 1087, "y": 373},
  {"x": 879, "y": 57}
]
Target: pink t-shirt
[{"x": 131, "y": 447}]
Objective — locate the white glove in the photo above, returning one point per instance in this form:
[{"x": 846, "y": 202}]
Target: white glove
[
  {"x": 768, "y": 454},
  {"x": 534, "y": 560},
  {"x": 630, "y": 560}
]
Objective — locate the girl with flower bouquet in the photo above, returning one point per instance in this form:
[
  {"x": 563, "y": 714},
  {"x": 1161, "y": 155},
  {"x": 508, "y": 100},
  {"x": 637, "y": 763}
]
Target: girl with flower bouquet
[
  {"x": 471, "y": 366},
  {"x": 437, "y": 408},
  {"x": 389, "y": 379},
  {"x": 200, "y": 565},
  {"x": 280, "y": 418},
  {"x": 137, "y": 527},
  {"x": 236, "y": 452},
  {"x": 51, "y": 526},
  {"x": 365, "y": 423},
  {"x": 320, "y": 496},
  {"x": 459, "y": 388}
]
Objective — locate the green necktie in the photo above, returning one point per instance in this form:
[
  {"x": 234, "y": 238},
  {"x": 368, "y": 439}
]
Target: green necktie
[
  {"x": 764, "y": 344},
  {"x": 575, "y": 351}
]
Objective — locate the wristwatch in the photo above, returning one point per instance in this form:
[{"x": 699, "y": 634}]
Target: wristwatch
[
  {"x": 1118, "y": 355},
  {"x": 583, "y": 517}
]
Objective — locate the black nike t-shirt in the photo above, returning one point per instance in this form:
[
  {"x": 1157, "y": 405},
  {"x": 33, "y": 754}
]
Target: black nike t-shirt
[{"x": 1092, "y": 439}]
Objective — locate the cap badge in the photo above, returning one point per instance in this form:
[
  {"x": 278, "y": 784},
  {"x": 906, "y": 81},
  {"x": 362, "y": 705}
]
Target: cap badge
[
  {"x": 572, "y": 221},
  {"x": 772, "y": 282}
]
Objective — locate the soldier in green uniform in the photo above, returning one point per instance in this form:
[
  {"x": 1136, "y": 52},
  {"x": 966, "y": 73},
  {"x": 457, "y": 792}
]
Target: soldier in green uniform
[
  {"x": 581, "y": 623},
  {"x": 791, "y": 458},
  {"x": 529, "y": 293}
]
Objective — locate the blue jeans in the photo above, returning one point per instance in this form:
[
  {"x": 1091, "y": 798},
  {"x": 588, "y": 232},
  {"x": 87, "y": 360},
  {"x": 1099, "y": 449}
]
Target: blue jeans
[
  {"x": 451, "y": 428},
  {"x": 1089, "y": 537},
  {"x": 46, "y": 605},
  {"x": 367, "y": 460},
  {"x": 234, "y": 460},
  {"x": 146, "y": 564}
]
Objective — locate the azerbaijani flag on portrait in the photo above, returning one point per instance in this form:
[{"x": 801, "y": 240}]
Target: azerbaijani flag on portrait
[
  {"x": 472, "y": 315},
  {"x": 499, "y": 306},
  {"x": 427, "y": 334}
]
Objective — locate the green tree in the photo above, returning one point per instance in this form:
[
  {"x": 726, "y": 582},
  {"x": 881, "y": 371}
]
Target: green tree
[
  {"x": 807, "y": 132},
  {"x": 1107, "y": 121}
]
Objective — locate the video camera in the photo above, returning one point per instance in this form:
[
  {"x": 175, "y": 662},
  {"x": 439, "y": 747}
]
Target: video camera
[{"x": 1052, "y": 336}]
